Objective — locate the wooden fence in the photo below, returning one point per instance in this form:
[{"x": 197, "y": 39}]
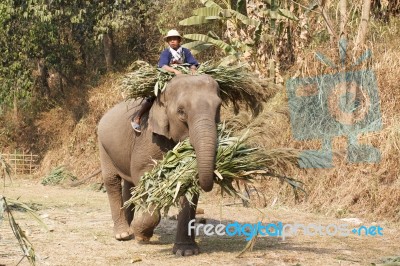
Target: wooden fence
[{"x": 22, "y": 163}]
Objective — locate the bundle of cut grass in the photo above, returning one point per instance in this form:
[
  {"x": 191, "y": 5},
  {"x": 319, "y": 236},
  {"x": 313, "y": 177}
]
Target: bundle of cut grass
[
  {"x": 237, "y": 83},
  {"x": 176, "y": 174},
  {"x": 142, "y": 81},
  {"x": 58, "y": 175}
]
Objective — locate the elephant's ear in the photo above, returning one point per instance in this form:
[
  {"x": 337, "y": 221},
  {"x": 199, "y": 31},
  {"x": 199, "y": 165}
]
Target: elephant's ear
[{"x": 158, "y": 119}]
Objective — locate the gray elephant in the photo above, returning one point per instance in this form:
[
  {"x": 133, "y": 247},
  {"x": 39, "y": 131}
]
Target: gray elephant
[{"x": 189, "y": 107}]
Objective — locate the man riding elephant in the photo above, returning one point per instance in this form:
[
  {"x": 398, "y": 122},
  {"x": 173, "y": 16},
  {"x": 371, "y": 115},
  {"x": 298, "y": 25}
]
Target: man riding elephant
[
  {"x": 174, "y": 55},
  {"x": 189, "y": 107}
]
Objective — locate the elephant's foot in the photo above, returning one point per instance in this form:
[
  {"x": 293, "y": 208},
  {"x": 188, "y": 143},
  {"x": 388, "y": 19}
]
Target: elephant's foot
[
  {"x": 185, "y": 249},
  {"x": 123, "y": 236},
  {"x": 142, "y": 236},
  {"x": 140, "y": 239},
  {"x": 143, "y": 225},
  {"x": 122, "y": 233}
]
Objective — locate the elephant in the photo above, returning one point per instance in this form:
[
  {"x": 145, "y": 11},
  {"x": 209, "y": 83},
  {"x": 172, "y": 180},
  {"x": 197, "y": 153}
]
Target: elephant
[{"x": 189, "y": 107}]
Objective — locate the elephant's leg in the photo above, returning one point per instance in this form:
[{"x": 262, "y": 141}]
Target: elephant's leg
[
  {"x": 185, "y": 244},
  {"x": 114, "y": 191},
  {"x": 126, "y": 195},
  {"x": 144, "y": 224},
  {"x": 112, "y": 182}
]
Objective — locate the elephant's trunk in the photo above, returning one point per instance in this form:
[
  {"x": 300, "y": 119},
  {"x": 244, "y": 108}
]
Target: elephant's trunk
[{"x": 203, "y": 137}]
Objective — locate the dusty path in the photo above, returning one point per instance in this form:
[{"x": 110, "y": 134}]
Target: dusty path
[{"x": 81, "y": 234}]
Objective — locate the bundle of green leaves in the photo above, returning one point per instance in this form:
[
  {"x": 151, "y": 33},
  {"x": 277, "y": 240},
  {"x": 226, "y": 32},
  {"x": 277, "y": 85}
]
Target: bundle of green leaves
[
  {"x": 176, "y": 174},
  {"x": 237, "y": 83},
  {"x": 58, "y": 175}
]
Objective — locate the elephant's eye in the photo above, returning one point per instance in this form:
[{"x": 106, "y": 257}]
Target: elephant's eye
[
  {"x": 181, "y": 111},
  {"x": 181, "y": 114}
]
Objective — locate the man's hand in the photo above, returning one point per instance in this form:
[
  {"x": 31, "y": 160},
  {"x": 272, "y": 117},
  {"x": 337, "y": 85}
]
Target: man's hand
[
  {"x": 172, "y": 70},
  {"x": 193, "y": 70},
  {"x": 177, "y": 72}
]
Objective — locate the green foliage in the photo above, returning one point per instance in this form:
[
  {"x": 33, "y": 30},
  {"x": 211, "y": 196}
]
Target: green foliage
[
  {"x": 62, "y": 35},
  {"x": 14, "y": 74},
  {"x": 213, "y": 13},
  {"x": 203, "y": 40},
  {"x": 176, "y": 174},
  {"x": 57, "y": 176},
  {"x": 237, "y": 83}
]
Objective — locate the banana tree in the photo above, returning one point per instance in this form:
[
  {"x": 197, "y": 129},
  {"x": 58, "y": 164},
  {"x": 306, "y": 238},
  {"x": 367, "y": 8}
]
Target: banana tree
[
  {"x": 228, "y": 15},
  {"x": 211, "y": 13}
]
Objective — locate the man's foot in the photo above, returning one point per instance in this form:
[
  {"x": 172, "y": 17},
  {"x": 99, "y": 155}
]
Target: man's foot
[{"x": 135, "y": 125}]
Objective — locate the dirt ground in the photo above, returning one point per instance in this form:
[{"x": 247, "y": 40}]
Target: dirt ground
[{"x": 81, "y": 234}]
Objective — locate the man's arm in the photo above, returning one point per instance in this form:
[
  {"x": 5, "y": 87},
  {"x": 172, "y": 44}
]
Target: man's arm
[
  {"x": 189, "y": 58},
  {"x": 164, "y": 58},
  {"x": 171, "y": 69},
  {"x": 164, "y": 62}
]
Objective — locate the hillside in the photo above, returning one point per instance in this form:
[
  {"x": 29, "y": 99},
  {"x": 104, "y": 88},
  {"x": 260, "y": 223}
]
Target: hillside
[{"x": 347, "y": 190}]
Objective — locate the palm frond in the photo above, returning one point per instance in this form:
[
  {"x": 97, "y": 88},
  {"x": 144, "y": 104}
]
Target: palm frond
[{"x": 24, "y": 243}]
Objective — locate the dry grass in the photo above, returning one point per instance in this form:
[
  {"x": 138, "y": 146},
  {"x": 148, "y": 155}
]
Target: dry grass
[
  {"x": 371, "y": 190},
  {"x": 362, "y": 189},
  {"x": 74, "y": 144}
]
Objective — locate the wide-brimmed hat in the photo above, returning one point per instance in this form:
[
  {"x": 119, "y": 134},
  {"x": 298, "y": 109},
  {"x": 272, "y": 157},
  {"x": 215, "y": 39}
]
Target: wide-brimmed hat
[{"x": 172, "y": 33}]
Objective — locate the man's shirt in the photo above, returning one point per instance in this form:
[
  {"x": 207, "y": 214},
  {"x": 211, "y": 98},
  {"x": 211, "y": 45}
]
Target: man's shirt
[{"x": 166, "y": 58}]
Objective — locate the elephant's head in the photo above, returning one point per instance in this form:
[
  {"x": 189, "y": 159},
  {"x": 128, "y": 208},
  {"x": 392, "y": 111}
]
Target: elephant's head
[{"x": 190, "y": 106}]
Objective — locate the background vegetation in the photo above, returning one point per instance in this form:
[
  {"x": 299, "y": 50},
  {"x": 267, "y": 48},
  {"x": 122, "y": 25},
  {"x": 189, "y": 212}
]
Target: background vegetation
[{"x": 61, "y": 62}]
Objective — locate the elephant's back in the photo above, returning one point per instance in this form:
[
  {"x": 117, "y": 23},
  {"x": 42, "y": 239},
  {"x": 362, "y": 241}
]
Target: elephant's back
[{"x": 118, "y": 117}]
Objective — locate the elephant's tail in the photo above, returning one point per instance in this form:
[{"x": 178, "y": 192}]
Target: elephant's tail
[{"x": 80, "y": 182}]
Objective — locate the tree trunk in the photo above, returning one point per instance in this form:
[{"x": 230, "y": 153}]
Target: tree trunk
[
  {"x": 343, "y": 17},
  {"x": 108, "y": 45},
  {"x": 328, "y": 21},
  {"x": 362, "y": 30},
  {"x": 342, "y": 52},
  {"x": 343, "y": 33},
  {"x": 15, "y": 108},
  {"x": 43, "y": 78}
]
